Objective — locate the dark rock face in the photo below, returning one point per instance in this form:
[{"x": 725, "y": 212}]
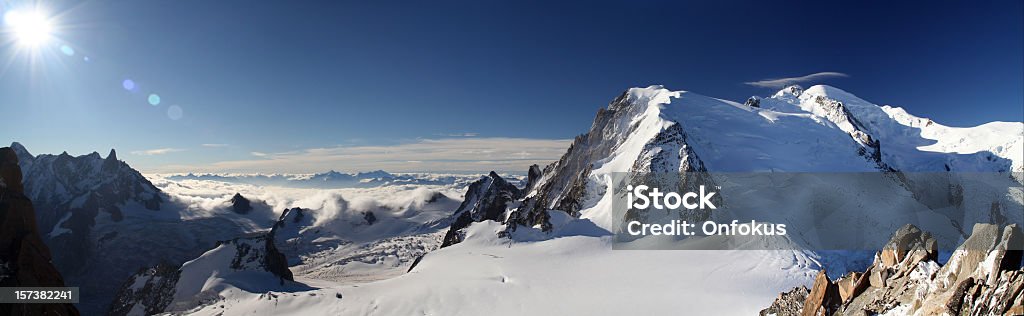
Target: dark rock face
[
  {"x": 369, "y": 217},
  {"x": 155, "y": 293},
  {"x": 753, "y": 102},
  {"x": 532, "y": 178},
  {"x": 487, "y": 199},
  {"x": 437, "y": 196},
  {"x": 563, "y": 184},
  {"x": 260, "y": 253},
  {"x": 982, "y": 277},
  {"x": 240, "y": 204},
  {"x": 24, "y": 258}
]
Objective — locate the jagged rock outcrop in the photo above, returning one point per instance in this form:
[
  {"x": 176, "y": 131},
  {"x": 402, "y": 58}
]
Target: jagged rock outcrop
[
  {"x": 788, "y": 303},
  {"x": 150, "y": 290},
  {"x": 982, "y": 277},
  {"x": 532, "y": 178},
  {"x": 754, "y": 102},
  {"x": 259, "y": 253},
  {"x": 240, "y": 204},
  {"x": 369, "y": 218},
  {"x": 486, "y": 199},
  {"x": 153, "y": 290},
  {"x": 823, "y": 298},
  {"x": 25, "y": 260}
]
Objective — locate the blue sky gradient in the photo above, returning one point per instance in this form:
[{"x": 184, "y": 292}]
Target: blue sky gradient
[{"x": 257, "y": 77}]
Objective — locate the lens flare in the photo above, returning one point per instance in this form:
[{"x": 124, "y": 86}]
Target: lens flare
[
  {"x": 154, "y": 99},
  {"x": 30, "y": 28},
  {"x": 128, "y": 84},
  {"x": 67, "y": 50},
  {"x": 175, "y": 112}
]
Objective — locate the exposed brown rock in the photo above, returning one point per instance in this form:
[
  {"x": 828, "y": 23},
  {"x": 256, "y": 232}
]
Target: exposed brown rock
[
  {"x": 852, "y": 284},
  {"x": 982, "y": 277},
  {"x": 824, "y": 297},
  {"x": 788, "y": 303}
]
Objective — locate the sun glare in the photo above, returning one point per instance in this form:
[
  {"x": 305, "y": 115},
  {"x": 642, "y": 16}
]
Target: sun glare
[{"x": 30, "y": 28}]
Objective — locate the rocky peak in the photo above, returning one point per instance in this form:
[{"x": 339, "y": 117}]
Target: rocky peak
[
  {"x": 532, "y": 177},
  {"x": 240, "y": 204},
  {"x": 486, "y": 199},
  {"x": 111, "y": 163},
  {"x": 792, "y": 90},
  {"x": 754, "y": 102},
  {"x": 369, "y": 217},
  {"x": 20, "y": 150}
]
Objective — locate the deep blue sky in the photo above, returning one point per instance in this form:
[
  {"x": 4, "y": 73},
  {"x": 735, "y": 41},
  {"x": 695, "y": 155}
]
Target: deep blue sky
[{"x": 276, "y": 76}]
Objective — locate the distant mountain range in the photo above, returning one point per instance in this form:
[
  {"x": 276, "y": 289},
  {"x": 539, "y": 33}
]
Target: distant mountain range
[{"x": 328, "y": 180}]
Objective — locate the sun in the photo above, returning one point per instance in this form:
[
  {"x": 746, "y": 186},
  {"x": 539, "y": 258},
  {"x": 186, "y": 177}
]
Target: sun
[{"x": 30, "y": 28}]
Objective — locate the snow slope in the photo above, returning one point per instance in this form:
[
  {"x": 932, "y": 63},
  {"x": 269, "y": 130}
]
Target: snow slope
[{"x": 572, "y": 275}]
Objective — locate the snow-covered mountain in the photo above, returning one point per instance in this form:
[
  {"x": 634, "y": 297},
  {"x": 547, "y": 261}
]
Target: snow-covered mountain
[
  {"x": 543, "y": 247},
  {"x": 90, "y": 183}
]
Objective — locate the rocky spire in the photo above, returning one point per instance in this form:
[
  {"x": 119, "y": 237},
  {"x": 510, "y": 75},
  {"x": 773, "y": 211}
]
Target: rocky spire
[
  {"x": 240, "y": 204},
  {"x": 111, "y": 162}
]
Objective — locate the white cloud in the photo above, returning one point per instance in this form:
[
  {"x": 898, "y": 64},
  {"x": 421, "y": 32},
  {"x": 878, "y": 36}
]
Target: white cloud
[
  {"x": 460, "y": 135},
  {"x": 215, "y": 145},
  {"x": 783, "y": 82},
  {"x": 201, "y": 198},
  {"x": 425, "y": 155},
  {"x": 158, "y": 151}
]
